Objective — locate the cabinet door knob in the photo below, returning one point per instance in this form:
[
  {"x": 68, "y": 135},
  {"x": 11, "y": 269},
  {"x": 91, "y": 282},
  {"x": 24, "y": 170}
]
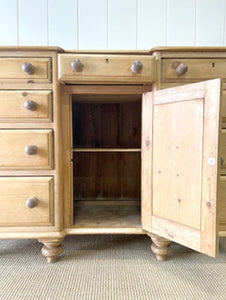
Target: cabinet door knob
[
  {"x": 136, "y": 66},
  {"x": 28, "y": 68},
  {"x": 31, "y": 149},
  {"x": 32, "y": 202},
  {"x": 30, "y": 105},
  {"x": 221, "y": 160},
  {"x": 181, "y": 69},
  {"x": 77, "y": 65}
]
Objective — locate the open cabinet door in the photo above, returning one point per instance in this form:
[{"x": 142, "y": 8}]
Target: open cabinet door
[{"x": 180, "y": 138}]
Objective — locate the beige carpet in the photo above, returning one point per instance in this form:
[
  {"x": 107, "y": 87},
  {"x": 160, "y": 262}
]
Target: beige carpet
[{"x": 109, "y": 267}]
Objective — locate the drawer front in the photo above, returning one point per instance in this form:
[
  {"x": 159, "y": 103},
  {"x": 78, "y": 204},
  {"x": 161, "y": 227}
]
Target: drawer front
[
  {"x": 222, "y": 202},
  {"x": 26, "y": 201},
  {"x": 197, "y": 69},
  {"x": 12, "y": 69},
  {"x": 224, "y": 108},
  {"x": 26, "y": 149},
  {"x": 106, "y": 68},
  {"x": 26, "y": 106},
  {"x": 222, "y": 151}
]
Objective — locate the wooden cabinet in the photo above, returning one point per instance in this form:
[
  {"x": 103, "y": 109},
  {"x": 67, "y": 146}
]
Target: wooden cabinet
[
  {"x": 113, "y": 143},
  {"x": 30, "y": 137}
]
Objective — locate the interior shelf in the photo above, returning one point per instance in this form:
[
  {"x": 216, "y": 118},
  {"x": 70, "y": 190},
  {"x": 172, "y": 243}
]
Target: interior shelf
[
  {"x": 106, "y": 150},
  {"x": 107, "y": 214}
]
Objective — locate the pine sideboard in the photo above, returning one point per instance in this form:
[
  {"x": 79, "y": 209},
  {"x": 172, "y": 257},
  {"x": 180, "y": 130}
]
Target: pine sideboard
[{"x": 113, "y": 142}]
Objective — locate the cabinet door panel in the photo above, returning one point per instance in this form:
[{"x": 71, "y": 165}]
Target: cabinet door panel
[{"x": 180, "y": 164}]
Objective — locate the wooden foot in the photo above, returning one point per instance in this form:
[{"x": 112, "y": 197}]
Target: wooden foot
[
  {"x": 52, "y": 248},
  {"x": 160, "y": 247}
]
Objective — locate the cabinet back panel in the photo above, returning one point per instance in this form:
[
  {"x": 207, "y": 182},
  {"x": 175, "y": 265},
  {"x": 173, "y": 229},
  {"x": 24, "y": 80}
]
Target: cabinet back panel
[
  {"x": 107, "y": 125},
  {"x": 103, "y": 176}
]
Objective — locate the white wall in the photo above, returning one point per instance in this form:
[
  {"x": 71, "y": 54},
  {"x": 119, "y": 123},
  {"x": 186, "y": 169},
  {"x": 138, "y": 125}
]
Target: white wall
[{"x": 113, "y": 24}]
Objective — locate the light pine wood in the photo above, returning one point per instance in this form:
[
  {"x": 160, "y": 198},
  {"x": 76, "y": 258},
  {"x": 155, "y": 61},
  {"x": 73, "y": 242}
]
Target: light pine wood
[
  {"x": 125, "y": 91},
  {"x": 174, "y": 146},
  {"x": 222, "y": 203},
  {"x": 194, "y": 54},
  {"x": 223, "y": 107},
  {"x": 67, "y": 159},
  {"x": 104, "y": 230},
  {"x": 44, "y": 86},
  {"x": 11, "y": 69},
  {"x": 222, "y": 152},
  {"x": 109, "y": 79},
  {"x": 107, "y": 214},
  {"x": 198, "y": 69},
  {"x": 106, "y": 150},
  {"x": 210, "y": 170},
  {"x": 13, "y": 149},
  {"x": 146, "y": 161},
  {"x": 186, "y": 49},
  {"x": 15, "y": 191},
  {"x": 106, "y": 69},
  {"x": 12, "y": 106},
  {"x": 52, "y": 248},
  {"x": 169, "y": 137},
  {"x": 160, "y": 247}
]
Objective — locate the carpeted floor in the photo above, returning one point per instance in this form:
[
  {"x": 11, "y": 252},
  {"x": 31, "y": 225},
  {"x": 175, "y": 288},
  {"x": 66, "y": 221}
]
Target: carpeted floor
[{"x": 109, "y": 268}]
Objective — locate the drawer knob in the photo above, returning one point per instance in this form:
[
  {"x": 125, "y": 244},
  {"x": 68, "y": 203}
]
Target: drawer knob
[
  {"x": 28, "y": 68},
  {"x": 30, "y": 105},
  {"x": 77, "y": 65},
  {"x": 136, "y": 67},
  {"x": 31, "y": 149},
  {"x": 32, "y": 202},
  {"x": 181, "y": 69}
]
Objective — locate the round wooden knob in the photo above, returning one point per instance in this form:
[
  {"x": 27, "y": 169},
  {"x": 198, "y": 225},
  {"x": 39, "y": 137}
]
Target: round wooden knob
[
  {"x": 77, "y": 65},
  {"x": 31, "y": 149},
  {"x": 32, "y": 202},
  {"x": 137, "y": 67},
  {"x": 30, "y": 105},
  {"x": 28, "y": 68},
  {"x": 181, "y": 69}
]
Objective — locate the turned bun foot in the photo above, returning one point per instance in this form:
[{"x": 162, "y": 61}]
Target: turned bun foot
[
  {"x": 51, "y": 249},
  {"x": 160, "y": 247}
]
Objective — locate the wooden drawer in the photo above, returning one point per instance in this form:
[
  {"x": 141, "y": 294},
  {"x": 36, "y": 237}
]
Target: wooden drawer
[
  {"x": 222, "y": 151},
  {"x": 12, "y": 69},
  {"x": 224, "y": 108},
  {"x": 222, "y": 202},
  {"x": 16, "y": 195},
  {"x": 198, "y": 69},
  {"x": 26, "y": 106},
  {"x": 106, "y": 68},
  {"x": 26, "y": 149}
]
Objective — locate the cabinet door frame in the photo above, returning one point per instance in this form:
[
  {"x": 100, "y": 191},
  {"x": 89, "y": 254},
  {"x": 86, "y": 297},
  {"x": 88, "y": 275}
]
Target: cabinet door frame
[
  {"x": 205, "y": 237},
  {"x": 67, "y": 139}
]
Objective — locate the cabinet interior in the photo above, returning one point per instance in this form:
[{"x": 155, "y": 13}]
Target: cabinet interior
[{"x": 106, "y": 160}]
